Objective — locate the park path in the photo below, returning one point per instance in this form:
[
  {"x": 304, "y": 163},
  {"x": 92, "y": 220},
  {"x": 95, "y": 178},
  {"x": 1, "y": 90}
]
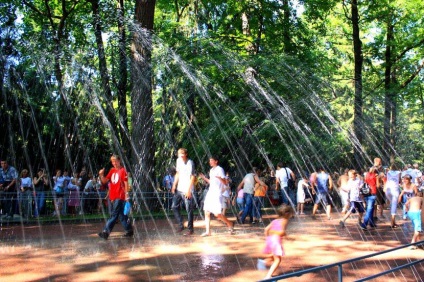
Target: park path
[{"x": 73, "y": 252}]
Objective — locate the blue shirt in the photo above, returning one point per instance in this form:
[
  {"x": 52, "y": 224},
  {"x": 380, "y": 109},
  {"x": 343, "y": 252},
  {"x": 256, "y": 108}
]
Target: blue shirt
[
  {"x": 9, "y": 174},
  {"x": 322, "y": 182}
]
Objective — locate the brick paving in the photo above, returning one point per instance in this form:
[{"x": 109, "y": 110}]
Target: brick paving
[{"x": 74, "y": 252}]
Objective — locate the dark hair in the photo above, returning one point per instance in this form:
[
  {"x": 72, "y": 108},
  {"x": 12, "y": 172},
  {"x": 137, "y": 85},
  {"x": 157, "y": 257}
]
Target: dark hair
[
  {"x": 214, "y": 158},
  {"x": 115, "y": 156},
  {"x": 280, "y": 165},
  {"x": 407, "y": 176}
]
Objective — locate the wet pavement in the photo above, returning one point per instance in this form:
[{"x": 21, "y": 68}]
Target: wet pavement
[{"x": 74, "y": 252}]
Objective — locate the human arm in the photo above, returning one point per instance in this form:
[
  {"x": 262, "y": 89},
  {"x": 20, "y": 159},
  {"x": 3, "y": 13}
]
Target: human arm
[
  {"x": 415, "y": 188},
  {"x": 240, "y": 186},
  {"x": 258, "y": 180},
  {"x": 11, "y": 184},
  {"x": 207, "y": 180},
  {"x": 36, "y": 180},
  {"x": 293, "y": 176},
  {"x": 127, "y": 190},
  {"x": 174, "y": 185},
  {"x": 192, "y": 179},
  {"x": 103, "y": 179},
  {"x": 330, "y": 183},
  {"x": 400, "y": 196},
  {"x": 277, "y": 181}
]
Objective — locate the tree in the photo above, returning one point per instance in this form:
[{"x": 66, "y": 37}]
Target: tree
[{"x": 141, "y": 96}]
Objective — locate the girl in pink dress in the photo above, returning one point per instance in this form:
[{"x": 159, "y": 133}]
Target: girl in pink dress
[{"x": 274, "y": 233}]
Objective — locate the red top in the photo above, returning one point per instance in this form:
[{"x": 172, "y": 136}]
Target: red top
[
  {"x": 117, "y": 178},
  {"x": 371, "y": 180}
]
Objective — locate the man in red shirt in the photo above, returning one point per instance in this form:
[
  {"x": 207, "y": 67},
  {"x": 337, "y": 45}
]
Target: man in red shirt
[
  {"x": 373, "y": 181},
  {"x": 118, "y": 195}
]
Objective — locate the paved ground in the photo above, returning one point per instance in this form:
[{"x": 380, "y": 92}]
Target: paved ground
[{"x": 73, "y": 252}]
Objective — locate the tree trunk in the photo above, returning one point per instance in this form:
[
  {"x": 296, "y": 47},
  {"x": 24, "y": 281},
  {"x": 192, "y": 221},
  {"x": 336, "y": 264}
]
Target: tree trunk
[
  {"x": 390, "y": 105},
  {"x": 123, "y": 79},
  {"x": 288, "y": 46},
  {"x": 111, "y": 116},
  {"x": 358, "y": 62},
  {"x": 141, "y": 104}
]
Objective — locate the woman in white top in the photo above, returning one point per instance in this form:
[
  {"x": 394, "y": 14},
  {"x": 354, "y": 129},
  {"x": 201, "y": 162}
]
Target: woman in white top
[
  {"x": 26, "y": 194},
  {"x": 213, "y": 201},
  {"x": 391, "y": 189}
]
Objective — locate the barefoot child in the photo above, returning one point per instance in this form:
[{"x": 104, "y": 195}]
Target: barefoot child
[
  {"x": 274, "y": 233},
  {"x": 301, "y": 196},
  {"x": 414, "y": 207}
]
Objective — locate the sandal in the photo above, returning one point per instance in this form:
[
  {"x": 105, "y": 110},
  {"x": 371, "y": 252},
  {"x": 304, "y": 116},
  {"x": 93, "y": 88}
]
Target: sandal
[
  {"x": 232, "y": 228},
  {"x": 205, "y": 234},
  {"x": 395, "y": 226}
]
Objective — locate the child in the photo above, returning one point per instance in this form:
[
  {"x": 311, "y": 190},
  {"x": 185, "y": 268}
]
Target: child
[
  {"x": 408, "y": 191},
  {"x": 301, "y": 186},
  {"x": 274, "y": 233},
  {"x": 356, "y": 205},
  {"x": 414, "y": 207},
  {"x": 239, "y": 201}
]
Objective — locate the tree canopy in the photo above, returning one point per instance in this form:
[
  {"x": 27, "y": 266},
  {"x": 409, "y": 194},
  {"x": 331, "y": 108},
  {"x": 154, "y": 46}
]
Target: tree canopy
[{"x": 310, "y": 83}]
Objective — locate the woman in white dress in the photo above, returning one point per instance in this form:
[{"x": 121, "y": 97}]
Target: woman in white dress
[
  {"x": 391, "y": 189},
  {"x": 212, "y": 204}
]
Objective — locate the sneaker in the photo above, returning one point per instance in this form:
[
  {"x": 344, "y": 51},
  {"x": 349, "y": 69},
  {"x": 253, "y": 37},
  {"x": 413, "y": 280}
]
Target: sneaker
[
  {"x": 342, "y": 224},
  {"x": 261, "y": 265},
  {"x": 254, "y": 222},
  {"x": 128, "y": 234},
  {"x": 363, "y": 227},
  {"x": 189, "y": 233},
  {"x": 103, "y": 235}
]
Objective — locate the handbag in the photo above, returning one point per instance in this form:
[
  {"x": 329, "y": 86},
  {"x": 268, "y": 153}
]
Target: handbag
[{"x": 290, "y": 181}]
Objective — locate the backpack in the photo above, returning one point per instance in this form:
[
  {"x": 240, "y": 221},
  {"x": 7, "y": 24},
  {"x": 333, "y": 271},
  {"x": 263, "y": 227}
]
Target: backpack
[
  {"x": 365, "y": 190},
  {"x": 290, "y": 181}
]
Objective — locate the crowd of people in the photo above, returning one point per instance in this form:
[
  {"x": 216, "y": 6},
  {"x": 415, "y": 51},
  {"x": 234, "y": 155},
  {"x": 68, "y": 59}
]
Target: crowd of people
[
  {"x": 367, "y": 193},
  {"x": 26, "y": 197}
]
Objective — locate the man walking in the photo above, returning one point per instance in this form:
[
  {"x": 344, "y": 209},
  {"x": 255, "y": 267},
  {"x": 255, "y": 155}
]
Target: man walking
[
  {"x": 285, "y": 177},
  {"x": 118, "y": 195},
  {"x": 182, "y": 189}
]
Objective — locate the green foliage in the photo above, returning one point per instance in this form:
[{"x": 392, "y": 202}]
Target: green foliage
[{"x": 254, "y": 82}]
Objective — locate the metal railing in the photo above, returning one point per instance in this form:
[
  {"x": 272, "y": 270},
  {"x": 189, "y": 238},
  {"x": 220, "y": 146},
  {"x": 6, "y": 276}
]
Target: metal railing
[{"x": 340, "y": 264}]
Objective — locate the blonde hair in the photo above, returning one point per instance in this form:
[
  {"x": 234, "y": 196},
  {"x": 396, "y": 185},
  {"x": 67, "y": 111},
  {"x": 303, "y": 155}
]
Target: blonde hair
[
  {"x": 285, "y": 211},
  {"x": 183, "y": 150}
]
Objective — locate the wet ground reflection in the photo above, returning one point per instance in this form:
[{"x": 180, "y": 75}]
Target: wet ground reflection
[{"x": 73, "y": 252}]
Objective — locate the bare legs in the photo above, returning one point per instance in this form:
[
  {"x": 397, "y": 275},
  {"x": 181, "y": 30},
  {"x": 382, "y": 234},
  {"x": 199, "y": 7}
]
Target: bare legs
[
  {"x": 220, "y": 217},
  {"x": 300, "y": 208},
  {"x": 274, "y": 266}
]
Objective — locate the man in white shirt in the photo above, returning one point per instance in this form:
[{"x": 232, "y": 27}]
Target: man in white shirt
[
  {"x": 182, "y": 189},
  {"x": 282, "y": 176}
]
